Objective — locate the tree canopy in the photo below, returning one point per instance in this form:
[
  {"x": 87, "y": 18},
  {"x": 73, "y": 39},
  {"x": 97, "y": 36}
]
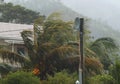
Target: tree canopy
[
  {"x": 48, "y": 48},
  {"x": 17, "y": 14}
]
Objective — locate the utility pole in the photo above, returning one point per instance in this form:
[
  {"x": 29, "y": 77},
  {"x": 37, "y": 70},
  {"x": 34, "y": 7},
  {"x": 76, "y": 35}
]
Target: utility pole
[
  {"x": 81, "y": 64},
  {"x": 79, "y": 22}
]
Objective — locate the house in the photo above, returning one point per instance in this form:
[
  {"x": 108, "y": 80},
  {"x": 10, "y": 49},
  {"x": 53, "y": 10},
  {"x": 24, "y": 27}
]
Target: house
[{"x": 10, "y": 37}]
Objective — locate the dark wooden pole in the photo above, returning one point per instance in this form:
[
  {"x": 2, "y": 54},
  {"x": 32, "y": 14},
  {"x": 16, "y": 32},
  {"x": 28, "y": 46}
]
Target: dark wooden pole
[{"x": 81, "y": 65}]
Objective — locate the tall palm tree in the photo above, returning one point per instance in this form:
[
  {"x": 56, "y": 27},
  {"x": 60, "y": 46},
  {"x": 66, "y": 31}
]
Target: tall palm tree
[{"x": 49, "y": 47}]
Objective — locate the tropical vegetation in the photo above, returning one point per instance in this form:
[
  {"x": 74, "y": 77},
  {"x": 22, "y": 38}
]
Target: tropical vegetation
[
  {"x": 20, "y": 77},
  {"x": 53, "y": 46},
  {"x": 17, "y": 14}
]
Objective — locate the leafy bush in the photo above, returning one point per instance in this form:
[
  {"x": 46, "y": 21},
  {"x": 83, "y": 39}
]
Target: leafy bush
[
  {"x": 61, "y": 78},
  {"x": 115, "y": 71},
  {"x": 102, "y": 79},
  {"x": 20, "y": 77}
]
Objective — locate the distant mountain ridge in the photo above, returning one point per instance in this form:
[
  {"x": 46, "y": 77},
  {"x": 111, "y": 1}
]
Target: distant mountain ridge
[{"x": 46, "y": 7}]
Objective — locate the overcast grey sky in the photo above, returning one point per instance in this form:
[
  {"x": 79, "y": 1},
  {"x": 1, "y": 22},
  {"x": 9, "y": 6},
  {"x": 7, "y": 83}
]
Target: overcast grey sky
[
  {"x": 106, "y": 10},
  {"x": 94, "y": 8}
]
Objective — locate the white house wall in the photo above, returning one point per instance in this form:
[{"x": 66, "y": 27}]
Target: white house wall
[{"x": 13, "y": 30}]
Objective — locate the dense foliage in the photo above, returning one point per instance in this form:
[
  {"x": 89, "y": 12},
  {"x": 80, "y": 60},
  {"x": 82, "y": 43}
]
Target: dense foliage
[
  {"x": 102, "y": 79},
  {"x": 115, "y": 71},
  {"x": 62, "y": 77},
  {"x": 20, "y": 77}
]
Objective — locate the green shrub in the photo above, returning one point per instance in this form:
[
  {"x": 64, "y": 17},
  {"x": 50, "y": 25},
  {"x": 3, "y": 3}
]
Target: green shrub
[
  {"x": 20, "y": 77},
  {"x": 61, "y": 78},
  {"x": 102, "y": 79},
  {"x": 115, "y": 71}
]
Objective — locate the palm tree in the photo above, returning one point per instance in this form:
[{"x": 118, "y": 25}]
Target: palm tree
[
  {"x": 49, "y": 47},
  {"x": 104, "y": 49}
]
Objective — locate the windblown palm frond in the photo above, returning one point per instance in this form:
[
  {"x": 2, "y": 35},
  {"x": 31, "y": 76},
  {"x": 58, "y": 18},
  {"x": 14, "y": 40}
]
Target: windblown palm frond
[
  {"x": 12, "y": 57},
  {"x": 28, "y": 38},
  {"x": 90, "y": 53},
  {"x": 105, "y": 44},
  {"x": 4, "y": 69},
  {"x": 93, "y": 65},
  {"x": 104, "y": 48},
  {"x": 64, "y": 52}
]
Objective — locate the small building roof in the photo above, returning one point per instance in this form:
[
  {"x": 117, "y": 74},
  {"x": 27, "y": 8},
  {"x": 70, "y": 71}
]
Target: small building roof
[{"x": 11, "y": 32}]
